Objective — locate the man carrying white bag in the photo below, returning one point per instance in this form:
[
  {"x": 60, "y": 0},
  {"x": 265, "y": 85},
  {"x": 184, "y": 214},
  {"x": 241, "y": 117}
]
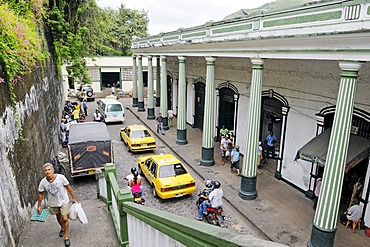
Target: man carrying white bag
[{"x": 76, "y": 211}]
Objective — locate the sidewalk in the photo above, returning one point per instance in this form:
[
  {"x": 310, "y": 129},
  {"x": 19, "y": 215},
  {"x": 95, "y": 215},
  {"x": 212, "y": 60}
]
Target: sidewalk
[
  {"x": 280, "y": 213},
  {"x": 98, "y": 232}
]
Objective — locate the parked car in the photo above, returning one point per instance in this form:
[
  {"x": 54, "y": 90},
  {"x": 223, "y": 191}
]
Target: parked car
[
  {"x": 86, "y": 91},
  {"x": 137, "y": 138},
  {"x": 168, "y": 177}
]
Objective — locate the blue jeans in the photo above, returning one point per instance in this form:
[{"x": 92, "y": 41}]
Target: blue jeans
[{"x": 203, "y": 208}]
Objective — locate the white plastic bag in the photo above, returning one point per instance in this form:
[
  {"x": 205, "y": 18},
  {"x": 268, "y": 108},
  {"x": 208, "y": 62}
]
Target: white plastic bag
[
  {"x": 81, "y": 213},
  {"x": 72, "y": 213}
]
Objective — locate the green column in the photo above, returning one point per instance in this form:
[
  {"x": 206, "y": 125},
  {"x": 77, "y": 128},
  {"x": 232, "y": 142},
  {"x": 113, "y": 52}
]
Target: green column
[
  {"x": 209, "y": 122},
  {"x": 134, "y": 82},
  {"x": 164, "y": 106},
  {"x": 248, "y": 189},
  {"x": 150, "y": 102},
  {"x": 181, "y": 110},
  {"x": 325, "y": 220},
  {"x": 158, "y": 83},
  {"x": 140, "y": 91}
]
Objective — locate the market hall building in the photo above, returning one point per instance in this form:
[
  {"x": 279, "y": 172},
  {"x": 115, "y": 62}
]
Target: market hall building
[{"x": 302, "y": 73}]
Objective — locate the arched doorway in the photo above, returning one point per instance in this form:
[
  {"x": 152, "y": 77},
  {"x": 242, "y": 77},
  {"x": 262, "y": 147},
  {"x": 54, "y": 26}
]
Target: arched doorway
[
  {"x": 274, "y": 112},
  {"x": 200, "y": 92},
  {"x": 228, "y": 98}
]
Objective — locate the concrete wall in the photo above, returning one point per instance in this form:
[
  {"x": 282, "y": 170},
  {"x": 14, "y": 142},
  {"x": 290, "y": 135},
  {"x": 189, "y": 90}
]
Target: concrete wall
[{"x": 22, "y": 157}]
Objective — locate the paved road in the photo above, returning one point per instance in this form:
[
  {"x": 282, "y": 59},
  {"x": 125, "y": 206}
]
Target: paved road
[{"x": 85, "y": 187}]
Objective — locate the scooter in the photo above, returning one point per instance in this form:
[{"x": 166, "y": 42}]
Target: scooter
[{"x": 138, "y": 199}]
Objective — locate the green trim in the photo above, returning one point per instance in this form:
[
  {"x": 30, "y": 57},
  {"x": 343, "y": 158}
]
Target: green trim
[
  {"x": 100, "y": 79},
  {"x": 304, "y": 19},
  {"x": 368, "y": 10},
  {"x": 257, "y": 66},
  {"x": 229, "y": 29},
  {"x": 143, "y": 42},
  {"x": 349, "y": 74},
  {"x": 171, "y": 38},
  {"x": 154, "y": 40},
  {"x": 187, "y": 231},
  {"x": 197, "y": 34}
]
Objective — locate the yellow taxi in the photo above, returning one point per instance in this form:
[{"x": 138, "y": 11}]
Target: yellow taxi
[
  {"x": 137, "y": 138},
  {"x": 168, "y": 177}
]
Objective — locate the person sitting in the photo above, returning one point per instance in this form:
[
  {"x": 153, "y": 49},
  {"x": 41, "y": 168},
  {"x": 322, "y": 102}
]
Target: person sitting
[
  {"x": 135, "y": 184},
  {"x": 214, "y": 200},
  {"x": 97, "y": 116},
  {"x": 130, "y": 176},
  {"x": 352, "y": 214}
]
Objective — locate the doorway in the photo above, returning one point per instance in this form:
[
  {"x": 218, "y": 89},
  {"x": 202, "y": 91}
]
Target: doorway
[
  {"x": 226, "y": 109},
  {"x": 109, "y": 79},
  {"x": 169, "y": 92},
  {"x": 200, "y": 92}
]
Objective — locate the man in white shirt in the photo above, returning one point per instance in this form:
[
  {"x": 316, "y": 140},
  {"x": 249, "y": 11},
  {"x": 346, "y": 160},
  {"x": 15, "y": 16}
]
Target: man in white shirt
[
  {"x": 214, "y": 200},
  {"x": 170, "y": 117}
]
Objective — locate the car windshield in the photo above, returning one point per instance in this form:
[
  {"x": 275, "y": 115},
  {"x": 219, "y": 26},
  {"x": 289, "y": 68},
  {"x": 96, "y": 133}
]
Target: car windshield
[
  {"x": 140, "y": 134},
  {"x": 113, "y": 108},
  {"x": 172, "y": 170}
]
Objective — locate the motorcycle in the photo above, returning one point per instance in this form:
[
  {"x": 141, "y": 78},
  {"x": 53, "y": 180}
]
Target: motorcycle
[
  {"x": 138, "y": 198},
  {"x": 213, "y": 216}
]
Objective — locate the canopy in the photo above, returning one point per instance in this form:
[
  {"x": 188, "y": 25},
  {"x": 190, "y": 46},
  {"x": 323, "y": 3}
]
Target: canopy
[
  {"x": 88, "y": 131},
  {"x": 315, "y": 150}
]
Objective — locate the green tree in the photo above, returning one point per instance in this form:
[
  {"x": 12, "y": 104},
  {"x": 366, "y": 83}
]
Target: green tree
[{"x": 126, "y": 24}]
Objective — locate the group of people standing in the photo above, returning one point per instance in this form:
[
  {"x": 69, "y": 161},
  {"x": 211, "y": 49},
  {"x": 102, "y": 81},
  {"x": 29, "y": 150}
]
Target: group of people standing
[{"x": 229, "y": 150}]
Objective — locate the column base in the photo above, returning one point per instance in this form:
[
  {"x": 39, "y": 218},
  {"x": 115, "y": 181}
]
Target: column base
[
  {"x": 181, "y": 137},
  {"x": 151, "y": 114},
  {"x": 165, "y": 123},
  {"x": 141, "y": 106},
  {"x": 321, "y": 238},
  {"x": 309, "y": 194},
  {"x": 134, "y": 102},
  {"x": 157, "y": 101},
  {"x": 207, "y": 157},
  {"x": 248, "y": 188},
  {"x": 278, "y": 175}
]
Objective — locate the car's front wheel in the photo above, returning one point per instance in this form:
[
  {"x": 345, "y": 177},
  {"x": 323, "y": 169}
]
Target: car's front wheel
[{"x": 89, "y": 94}]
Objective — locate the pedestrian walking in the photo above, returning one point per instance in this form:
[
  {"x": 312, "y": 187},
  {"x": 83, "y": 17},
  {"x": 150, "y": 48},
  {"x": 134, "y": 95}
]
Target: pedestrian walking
[
  {"x": 57, "y": 188},
  {"x": 224, "y": 145},
  {"x": 97, "y": 116},
  {"x": 159, "y": 119},
  {"x": 84, "y": 105},
  {"x": 271, "y": 139},
  {"x": 235, "y": 158},
  {"x": 170, "y": 117}
]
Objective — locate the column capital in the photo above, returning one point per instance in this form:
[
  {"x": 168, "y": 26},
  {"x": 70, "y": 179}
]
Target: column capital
[
  {"x": 134, "y": 56},
  {"x": 181, "y": 58},
  {"x": 351, "y": 65},
  {"x": 257, "y": 61},
  {"x": 210, "y": 59},
  {"x": 149, "y": 57},
  {"x": 163, "y": 58},
  {"x": 140, "y": 57}
]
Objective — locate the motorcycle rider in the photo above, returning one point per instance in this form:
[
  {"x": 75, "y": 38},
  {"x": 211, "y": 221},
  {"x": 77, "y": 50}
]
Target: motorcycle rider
[
  {"x": 205, "y": 193},
  {"x": 214, "y": 200}
]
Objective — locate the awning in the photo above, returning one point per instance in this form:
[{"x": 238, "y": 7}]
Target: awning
[{"x": 315, "y": 150}]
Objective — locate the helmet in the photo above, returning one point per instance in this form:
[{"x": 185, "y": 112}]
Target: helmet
[
  {"x": 133, "y": 169},
  {"x": 135, "y": 173},
  {"x": 216, "y": 184},
  {"x": 208, "y": 183}
]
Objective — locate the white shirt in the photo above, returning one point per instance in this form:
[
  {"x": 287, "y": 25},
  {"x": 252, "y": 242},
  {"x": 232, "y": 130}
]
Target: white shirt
[
  {"x": 216, "y": 198},
  {"x": 57, "y": 193},
  {"x": 170, "y": 113},
  {"x": 354, "y": 212}
]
